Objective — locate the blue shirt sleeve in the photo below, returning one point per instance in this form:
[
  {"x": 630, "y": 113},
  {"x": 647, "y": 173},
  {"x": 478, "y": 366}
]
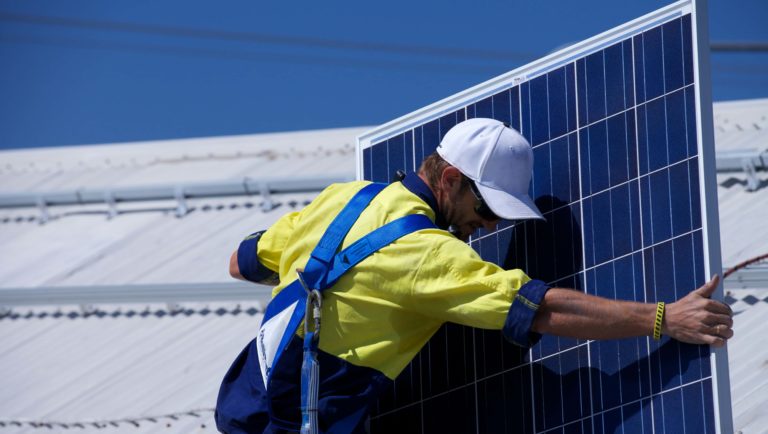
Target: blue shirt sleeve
[
  {"x": 248, "y": 261},
  {"x": 517, "y": 327}
]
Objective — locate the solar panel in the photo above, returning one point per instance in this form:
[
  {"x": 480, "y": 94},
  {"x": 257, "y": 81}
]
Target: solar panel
[{"x": 620, "y": 126}]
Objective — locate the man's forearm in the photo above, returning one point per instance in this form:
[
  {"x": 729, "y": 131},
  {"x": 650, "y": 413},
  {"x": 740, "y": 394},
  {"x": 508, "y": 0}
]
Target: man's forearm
[
  {"x": 695, "y": 318},
  {"x": 566, "y": 312}
]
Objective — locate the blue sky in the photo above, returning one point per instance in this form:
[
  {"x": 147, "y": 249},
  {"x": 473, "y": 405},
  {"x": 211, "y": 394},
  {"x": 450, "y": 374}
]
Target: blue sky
[{"x": 82, "y": 72}]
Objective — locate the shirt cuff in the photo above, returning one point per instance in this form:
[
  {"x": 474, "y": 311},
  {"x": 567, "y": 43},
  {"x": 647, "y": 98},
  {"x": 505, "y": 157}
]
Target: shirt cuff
[
  {"x": 517, "y": 327},
  {"x": 248, "y": 261}
]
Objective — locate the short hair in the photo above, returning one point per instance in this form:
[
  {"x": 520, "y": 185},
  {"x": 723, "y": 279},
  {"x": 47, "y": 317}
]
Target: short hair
[{"x": 432, "y": 168}]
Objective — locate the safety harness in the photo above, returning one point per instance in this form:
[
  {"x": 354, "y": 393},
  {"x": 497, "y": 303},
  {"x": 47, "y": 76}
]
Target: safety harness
[{"x": 302, "y": 299}]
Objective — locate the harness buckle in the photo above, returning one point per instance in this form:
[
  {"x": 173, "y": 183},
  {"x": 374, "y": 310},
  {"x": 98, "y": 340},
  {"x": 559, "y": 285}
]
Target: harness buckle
[{"x": 313, "y": 311}]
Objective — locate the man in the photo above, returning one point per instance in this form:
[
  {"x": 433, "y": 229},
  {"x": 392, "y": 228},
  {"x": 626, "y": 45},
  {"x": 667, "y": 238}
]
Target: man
[{"x": 378, "y": 315}]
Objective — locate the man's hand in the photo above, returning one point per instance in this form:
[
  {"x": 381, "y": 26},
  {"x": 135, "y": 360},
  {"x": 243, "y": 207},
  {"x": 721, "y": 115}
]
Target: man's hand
[{"x": 697, "y": 319}]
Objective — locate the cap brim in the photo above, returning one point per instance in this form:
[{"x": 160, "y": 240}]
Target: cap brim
[{"x": 509, "y": 206}]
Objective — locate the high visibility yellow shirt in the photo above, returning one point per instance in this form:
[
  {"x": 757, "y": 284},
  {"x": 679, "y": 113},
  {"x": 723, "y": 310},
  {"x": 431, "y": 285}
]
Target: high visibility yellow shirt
[{"x": 385, "y": 309}]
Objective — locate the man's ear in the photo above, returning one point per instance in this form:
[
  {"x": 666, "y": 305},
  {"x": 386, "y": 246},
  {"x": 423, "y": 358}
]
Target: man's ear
[{"x": 451, "y": 179}]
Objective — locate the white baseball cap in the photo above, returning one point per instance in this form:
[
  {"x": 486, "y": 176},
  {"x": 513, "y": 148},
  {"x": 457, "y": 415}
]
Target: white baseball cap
[{"x": 498, "y": 159}]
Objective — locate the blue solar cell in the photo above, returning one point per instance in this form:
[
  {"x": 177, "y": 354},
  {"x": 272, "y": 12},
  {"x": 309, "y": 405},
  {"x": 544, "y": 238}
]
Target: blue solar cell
[
  {"x": 671, "y": 409},
  {"x": 542, "y": 250},
  {"x": 676, "y": 132},
  {"x": 621, "y": 220},
  {"x": 693, "y": 172},
  {"x": 660, "y": 222},
  {"x": 447, "y": 412},
  {"x": 690, "y": 125},
  {"x": 594, "y": 158},
  {"x": 379, "y": 171},
  {"x": 481, "y": 109},
  {"x": 447, "y": 122},
  {"x": 367, "y": 163},
  {"x": 574, "y": 366},
  {"x": 655, "y": 147},
  {"x": 639, "y": 68},
  {"x": 685, "y": 279},
  {"x": 560, "y": 162},
  {"x": 680, "y": 198},
  {"x": 693, "y": 408},
  {"x": 548, "y": 394},
  {"x": 437, "y": 380},
  {"x": 405, "y": 395},
  {"x": 538, "y": 105},
  {"x": 490, "y": 342},
  {"x": 542, "y": 178},
  {"x": 502, "y": 107},
  {"x": 698, "y": 259},
  {"x": 514, "y": 108},
  {"x": 594, "y": 92},
  {"x": 636, "y": 418},
  {"x": 614, "y": 79},
  {"x": 567, "y": 243},
  {"x": 491, "y": 407},
  {"x": 708, "y": 416},
  {"x": 430, "y": 136},
  {"x": 629, "y": 77},
  {"x": 662, "y": 267},
  {"x": 629, "y": 351},
  {"x": 525, "y": 111},
  {"x": 559, "y": 105},
  {"x": 622, "y": 148},
  {"x": 606, "y": 358},
  {"x": 580, "y": 71},
  {"x": 653, "y": 62},
  {"x": 396, "y": 155},
  {"x": 460, "y": 364},
  {"x": 602, "y": 232},
  {"x": 409, "y": 151},
  {"x": 687, "y": 49},
  {"x": 673, "y": 55}
]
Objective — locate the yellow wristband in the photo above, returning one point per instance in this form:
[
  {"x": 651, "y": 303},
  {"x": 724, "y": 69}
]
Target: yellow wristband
[{"x": 657, "y": 322}]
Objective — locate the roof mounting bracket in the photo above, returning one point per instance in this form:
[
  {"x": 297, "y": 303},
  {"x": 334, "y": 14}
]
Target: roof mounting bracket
[
  {"x": 749, "y": 161},
  {"x": 748, "y": 165},
  {"x": 43, "y": 207},
  {"x": 267, "y": 204},
  {"x": 181, "y": 208},
  {"x": 109, "y": 199}
]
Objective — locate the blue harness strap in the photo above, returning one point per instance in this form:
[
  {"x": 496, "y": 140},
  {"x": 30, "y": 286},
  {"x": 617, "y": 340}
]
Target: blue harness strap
[{"x": 325, "y": 266}]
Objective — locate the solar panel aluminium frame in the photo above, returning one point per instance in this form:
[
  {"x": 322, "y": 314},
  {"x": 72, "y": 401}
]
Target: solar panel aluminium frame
[{"x": 704, "y": 134}]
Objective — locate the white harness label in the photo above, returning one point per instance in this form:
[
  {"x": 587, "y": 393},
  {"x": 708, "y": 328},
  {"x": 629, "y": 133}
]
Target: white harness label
[{"x": 268, "y": 339}]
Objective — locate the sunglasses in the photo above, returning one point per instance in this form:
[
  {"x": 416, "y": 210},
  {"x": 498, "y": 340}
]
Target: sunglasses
[{"x": 481, "y": 208}]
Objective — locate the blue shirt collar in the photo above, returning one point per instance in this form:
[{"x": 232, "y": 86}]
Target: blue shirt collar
[{"x": 417, "y": 186}]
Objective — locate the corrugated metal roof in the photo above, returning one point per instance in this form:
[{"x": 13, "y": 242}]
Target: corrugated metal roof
[
  {"x": 127, "y": 368},
  {"x": 741, "y": 125},
  {"x": 137, "y": 367},
  {"x": 748, "y": 364}
]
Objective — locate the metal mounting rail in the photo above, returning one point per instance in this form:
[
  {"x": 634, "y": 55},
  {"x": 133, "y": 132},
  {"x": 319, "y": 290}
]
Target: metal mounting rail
[
  {"x": 749, "y": 161},
  {"x": 141, "y": 293},
  {"x": 263, "y": 187},
  {"x": 242, "y": 187}
]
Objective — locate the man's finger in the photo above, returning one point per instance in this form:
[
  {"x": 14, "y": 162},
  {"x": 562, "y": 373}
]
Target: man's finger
[
  {"x": 708, "y": 288},
  {"x": 719, "y": 307}
]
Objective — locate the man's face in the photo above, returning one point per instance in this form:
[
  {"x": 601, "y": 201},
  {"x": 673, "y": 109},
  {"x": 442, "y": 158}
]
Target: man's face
[{"x": 457, "y": 203}]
